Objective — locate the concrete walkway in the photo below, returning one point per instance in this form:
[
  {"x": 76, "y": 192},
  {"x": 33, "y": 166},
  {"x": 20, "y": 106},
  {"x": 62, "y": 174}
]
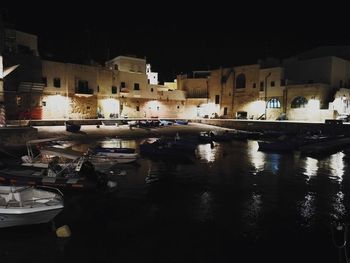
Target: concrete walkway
[{"x": 123, "y": 131}]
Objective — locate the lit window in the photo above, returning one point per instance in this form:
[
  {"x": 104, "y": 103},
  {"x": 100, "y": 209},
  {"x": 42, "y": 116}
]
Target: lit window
[{"x": 273, "y": 104}]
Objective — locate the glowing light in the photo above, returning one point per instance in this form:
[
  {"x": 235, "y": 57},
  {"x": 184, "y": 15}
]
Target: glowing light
[
  {"x": 311, "y": 167},
  {"x": 337, "y": 166},
  {"x": 307, "y": 209},
  {"x": 109, "y": 106},
  {"x": 206, "y": 153},
  {"x": 313, "y": 104},
  {"x": 208, "y": 109},
  {"x": 57, "y": 107},
  {"x": 153, "y": 104},
  {"x": 257, "y": 158}
]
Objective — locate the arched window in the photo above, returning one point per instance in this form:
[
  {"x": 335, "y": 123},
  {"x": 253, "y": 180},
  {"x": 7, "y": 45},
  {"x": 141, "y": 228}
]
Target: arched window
[
  {"x": 273, "y": 104},
  {"x": 240, "y": 81},
  {"x": 299, "y": 102}
]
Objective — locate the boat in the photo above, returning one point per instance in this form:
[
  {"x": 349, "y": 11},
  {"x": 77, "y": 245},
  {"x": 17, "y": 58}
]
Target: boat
[
  {"x": 181, "y": 122},
  {"x": 112, "y": 150},
  {"x": 205, "y": 137},
  {"x": 23, "y": 205},
  {"x": 72, "y": 127},
  {"x": 67, "y": 156},
  {"x": 167, "y": 147}
]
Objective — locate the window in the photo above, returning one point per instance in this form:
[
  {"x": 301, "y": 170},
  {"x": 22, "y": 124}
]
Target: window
[
  {"x": 114, "y": 90},
  {"x": 44, "y": 79},
  {"x": 57, "y": 82},
  {"x": 178, "y": 106},
  {"x": 116, "y": 67},
  {"x": 151, "y": 89},
  {"x": 240, "y": 81},
  {"x": 83, "y": 84},
  {"x": 299, "y": 102},
  {"x": 88, "y": 107},
  {"x": 217, "y": 99},
  {"x": 254, "y": 85},
  {"x": 43, "y": 103},
  {"x": 137, "y": 108},
  {"x": 136, "y": 86},
  {"x": 225, "y": 111},
  {"x": 273, "y": 104},
  {"x": 122, "y": 84},
  {"x": 98, "y": 88},
  {"x": 261, "y": 85},
  {"x": 272, "y": 83}
]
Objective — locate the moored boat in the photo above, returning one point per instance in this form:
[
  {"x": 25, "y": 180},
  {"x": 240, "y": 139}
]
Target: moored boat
[{"x": 28, "y": 205}]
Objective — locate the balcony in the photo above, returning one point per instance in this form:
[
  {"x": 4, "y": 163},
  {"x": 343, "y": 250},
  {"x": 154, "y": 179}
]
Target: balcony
[
  {"x": 84, "y": 91},
  {"x": 197, "y": 95}
]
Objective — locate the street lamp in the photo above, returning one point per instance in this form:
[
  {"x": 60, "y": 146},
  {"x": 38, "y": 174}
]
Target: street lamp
[{"x": 268, "y": 75}]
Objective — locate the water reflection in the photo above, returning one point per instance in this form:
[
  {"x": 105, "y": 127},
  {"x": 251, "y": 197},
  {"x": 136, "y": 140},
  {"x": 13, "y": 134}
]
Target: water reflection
[
  {"x": 117, "y": 143},
  {"x": 336, "y": 165},
  {"x": 256, "y": 158},
  {"x": 338, "y": 206},
  {"x": 205, "y": 207},
  {"x": 207, "y": 152},
  {"x": 311, "y": 167},
  {"x": 307, "y": 209},
  {"x": 252, "y": 211}
]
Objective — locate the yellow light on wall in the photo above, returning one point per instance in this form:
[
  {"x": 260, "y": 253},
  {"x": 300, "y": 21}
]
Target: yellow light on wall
[
  {"x": 57, "y": 107},
  {"x": 313, "y": 104}
]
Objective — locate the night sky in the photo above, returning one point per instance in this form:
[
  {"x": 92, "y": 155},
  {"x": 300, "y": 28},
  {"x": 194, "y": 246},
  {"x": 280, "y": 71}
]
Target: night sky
[{"x": 181, "y": 38}]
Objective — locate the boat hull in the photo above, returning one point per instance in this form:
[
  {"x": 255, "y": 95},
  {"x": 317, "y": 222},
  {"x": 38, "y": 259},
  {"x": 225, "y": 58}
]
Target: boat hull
[{"x": 15, "y": 217}]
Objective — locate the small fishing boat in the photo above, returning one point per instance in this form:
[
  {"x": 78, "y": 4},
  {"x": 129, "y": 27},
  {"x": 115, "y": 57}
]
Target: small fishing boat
[{"x": 25, "y": 205}]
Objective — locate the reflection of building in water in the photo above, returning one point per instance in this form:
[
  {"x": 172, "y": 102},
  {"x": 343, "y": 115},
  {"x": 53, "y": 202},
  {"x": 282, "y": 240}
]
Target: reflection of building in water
[
  {"x": 204, "y": 208},
  {"x": 256, "y": 158},
  {"x": 311, "y": 167},
  {"x": 117, "y": 143},
  {"x": 307, "y": 209},
  {"x": 338, "y": 208},
  {"x": 336, "y": 164},
  {"x": 206, "y": 152},
  {"x": 252, "y": 210}
]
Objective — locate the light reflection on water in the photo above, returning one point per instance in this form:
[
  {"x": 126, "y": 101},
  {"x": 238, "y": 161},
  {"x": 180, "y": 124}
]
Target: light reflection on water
[
  {"x": 204, "y": 207},
  {"x": 257, "y": 158},
  {"x": 117, "y": 143},
  {"x": 336, "y": 164},
  {"x": 338, "y": 208},
  {"x": 311, "y": 167},
  {"x": 207, "y": 152},
  {"x": 253, "y": 210},
  {"x": 307, "y": 209}
]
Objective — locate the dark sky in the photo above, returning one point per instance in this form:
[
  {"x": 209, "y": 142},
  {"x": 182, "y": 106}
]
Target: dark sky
[{"x": 179, "y": 36}]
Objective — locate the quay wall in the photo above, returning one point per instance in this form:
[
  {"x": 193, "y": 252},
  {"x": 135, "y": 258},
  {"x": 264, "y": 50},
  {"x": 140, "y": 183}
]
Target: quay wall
[{"x": 332, "y": 127}]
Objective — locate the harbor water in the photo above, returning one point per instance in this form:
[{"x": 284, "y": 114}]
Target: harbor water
[{"x": 228, "y": 202}]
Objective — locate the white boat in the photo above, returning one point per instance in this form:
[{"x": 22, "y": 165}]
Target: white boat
[
  {"x": 114, "y": 156},
  {"x": 25, "y": 205},
  {"x": 69, "y": 157}
]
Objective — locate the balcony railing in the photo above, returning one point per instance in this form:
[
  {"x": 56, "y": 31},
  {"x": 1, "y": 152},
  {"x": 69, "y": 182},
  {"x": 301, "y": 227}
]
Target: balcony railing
[
  {"x": 83, "y": 90},
  {"x": 197, "y": 95}
]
